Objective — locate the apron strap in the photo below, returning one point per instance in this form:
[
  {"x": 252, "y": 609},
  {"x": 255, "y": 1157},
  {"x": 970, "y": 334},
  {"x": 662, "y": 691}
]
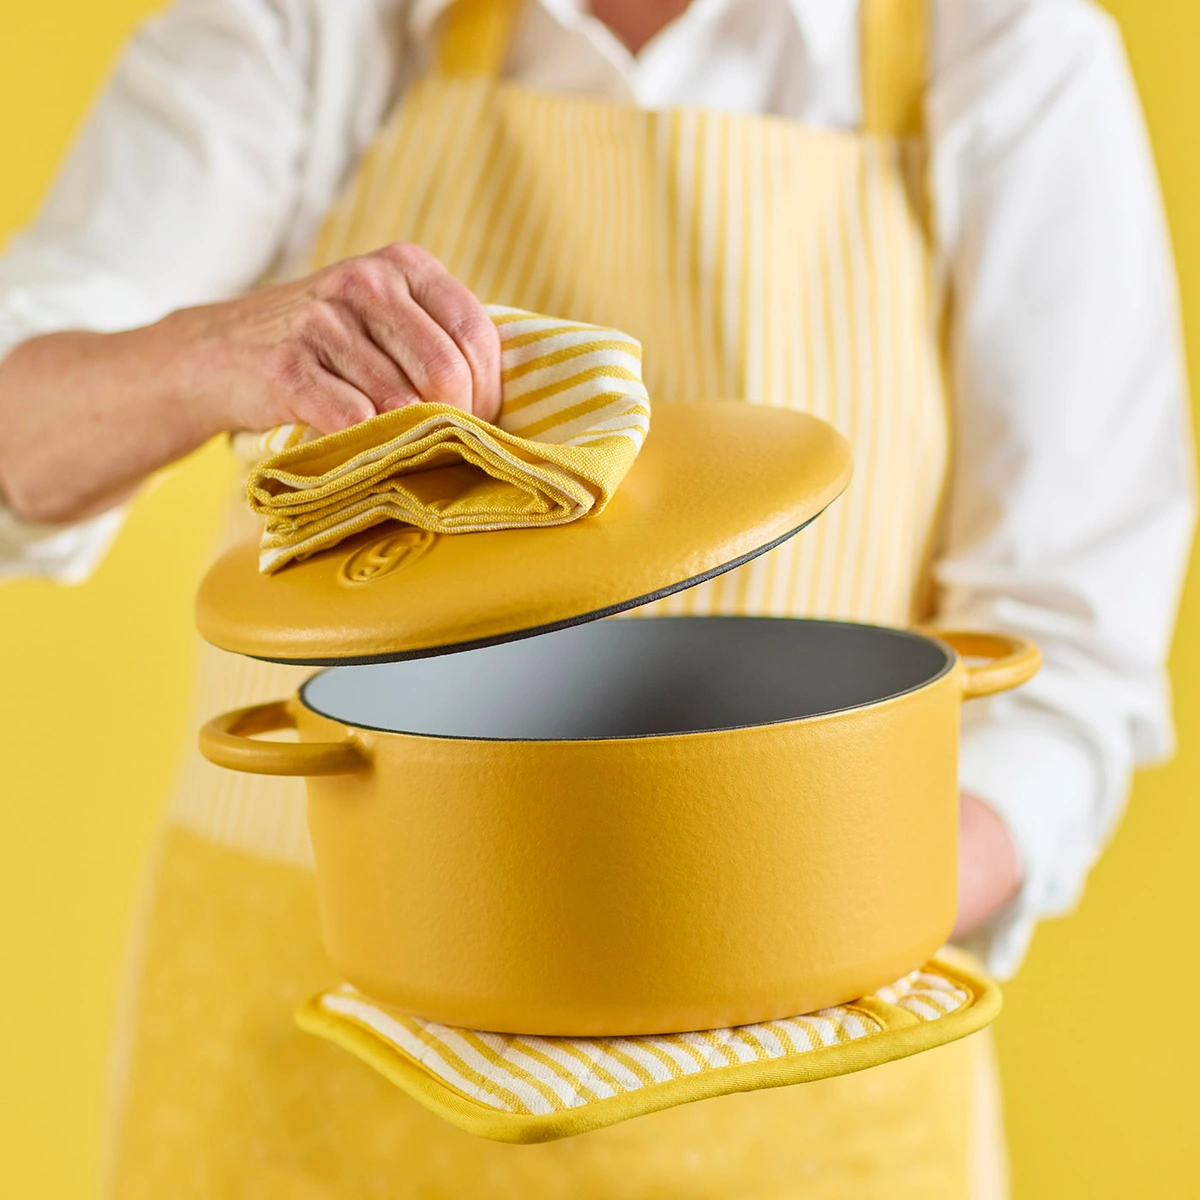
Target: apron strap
[
  {"x": 895, "y": 54},
  {"x": 475, "y": 37}
]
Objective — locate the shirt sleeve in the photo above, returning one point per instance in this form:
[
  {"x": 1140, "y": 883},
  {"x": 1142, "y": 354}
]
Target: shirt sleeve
[
  {"x": 1071, "y": 503},
  {"x": 179, "y": 190}
]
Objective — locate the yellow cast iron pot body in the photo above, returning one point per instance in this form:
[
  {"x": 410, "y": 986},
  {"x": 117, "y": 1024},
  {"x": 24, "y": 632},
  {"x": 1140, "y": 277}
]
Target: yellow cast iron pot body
[{"x": 634, "y": 885}]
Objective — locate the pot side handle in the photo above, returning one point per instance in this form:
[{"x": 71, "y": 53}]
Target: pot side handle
[
  {"x": 226, "y": 740},
  {"x": 1013, "y": 660}
]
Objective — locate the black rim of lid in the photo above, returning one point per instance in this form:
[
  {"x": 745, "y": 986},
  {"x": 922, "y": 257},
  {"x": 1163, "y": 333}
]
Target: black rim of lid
[{"x": 517, "y": 635}]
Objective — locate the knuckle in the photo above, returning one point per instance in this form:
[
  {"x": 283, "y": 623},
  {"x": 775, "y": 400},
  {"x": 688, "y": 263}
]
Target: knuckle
[
  {"x": 448, "y": 374},
  {"x": 478, "y": 331},
  {"x": 408, "y": 256},
  {"x": 394, "y": 390},
  {"x": 333, "y": 279},
  {"x": 289, "y": 366},
  {"x": 329, "y": 413},
  {"x": 316, "y": 320},
  {"x": 382, "y": 389},
  {"x": 397, "y": 398},
  {"x": 357, "y": 280}
]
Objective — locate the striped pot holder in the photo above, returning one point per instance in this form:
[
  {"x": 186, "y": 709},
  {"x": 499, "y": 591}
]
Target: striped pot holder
[{"x": 518, "y": 1088}]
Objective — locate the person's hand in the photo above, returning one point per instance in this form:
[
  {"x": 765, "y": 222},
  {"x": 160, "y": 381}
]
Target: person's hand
[
  {"x": 361, "y": 337},
  {"x": 989, "y": 872},
  {"x": 85, "y": 417}
]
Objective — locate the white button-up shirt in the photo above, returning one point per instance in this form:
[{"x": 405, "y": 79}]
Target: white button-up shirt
[{"x": 229, "y": 124}]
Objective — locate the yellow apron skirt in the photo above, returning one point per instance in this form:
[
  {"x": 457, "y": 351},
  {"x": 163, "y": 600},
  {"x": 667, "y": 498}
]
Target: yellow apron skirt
[{"x": 755, "y": 258}]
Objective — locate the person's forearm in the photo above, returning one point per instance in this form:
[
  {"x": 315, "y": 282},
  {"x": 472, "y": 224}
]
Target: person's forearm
[{"x": 86, "y": 417}]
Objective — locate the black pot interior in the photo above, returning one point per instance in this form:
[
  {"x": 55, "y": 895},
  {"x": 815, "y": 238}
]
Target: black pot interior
[{"x": 630, "y": 677}]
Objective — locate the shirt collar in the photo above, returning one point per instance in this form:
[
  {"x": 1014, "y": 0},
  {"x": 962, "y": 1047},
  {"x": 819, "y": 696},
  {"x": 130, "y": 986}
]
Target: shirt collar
[{"x": 821, "y": 22}]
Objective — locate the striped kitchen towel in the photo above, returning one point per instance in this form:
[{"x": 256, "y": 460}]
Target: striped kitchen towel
[
  {"x": 520, "y": 1088},
  {"x": 574, "y": 413}
]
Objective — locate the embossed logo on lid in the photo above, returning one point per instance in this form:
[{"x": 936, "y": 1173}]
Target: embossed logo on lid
[{"x": 395, "y": 549}]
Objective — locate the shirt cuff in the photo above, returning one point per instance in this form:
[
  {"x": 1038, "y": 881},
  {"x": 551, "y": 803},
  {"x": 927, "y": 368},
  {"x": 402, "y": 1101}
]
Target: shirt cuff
[
  {"x": 43, "y": 290},
  {"x": 1043, "y": 783},
  {"x": 64, "y": 553}
]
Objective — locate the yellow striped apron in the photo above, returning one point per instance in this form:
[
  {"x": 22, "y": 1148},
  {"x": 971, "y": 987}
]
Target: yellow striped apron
[{"x": 754, "y": 258}]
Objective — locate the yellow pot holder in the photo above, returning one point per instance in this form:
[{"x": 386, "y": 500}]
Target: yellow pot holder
[
  {"x": 574, "y": 413},
  {"x": 513, "y": 1088}
]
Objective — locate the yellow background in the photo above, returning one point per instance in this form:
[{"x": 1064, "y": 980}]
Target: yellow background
[{"x": 93, "y": 714}]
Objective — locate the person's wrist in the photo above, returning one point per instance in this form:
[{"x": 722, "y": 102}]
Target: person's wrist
[{"x": 188, "y": 365}]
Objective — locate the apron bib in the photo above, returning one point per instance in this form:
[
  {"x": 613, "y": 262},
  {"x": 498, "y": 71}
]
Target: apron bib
[{"x": 754, "y": 258}]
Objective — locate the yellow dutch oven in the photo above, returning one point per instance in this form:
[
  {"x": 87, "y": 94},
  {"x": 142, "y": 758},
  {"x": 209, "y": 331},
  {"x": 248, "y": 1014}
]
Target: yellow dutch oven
[{"x": 526, "y": 821}]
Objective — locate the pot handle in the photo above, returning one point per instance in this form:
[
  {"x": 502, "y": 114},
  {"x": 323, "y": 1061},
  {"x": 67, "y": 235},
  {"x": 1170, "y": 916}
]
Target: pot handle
[
  {"x": 1014, "y": 660},
  {"x": 226, "y": 741}
]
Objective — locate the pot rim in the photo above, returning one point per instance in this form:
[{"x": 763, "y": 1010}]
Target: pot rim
[{"x": 950, "y": 655}]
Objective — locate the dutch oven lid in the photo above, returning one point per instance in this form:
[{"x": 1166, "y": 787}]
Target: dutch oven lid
[{"x": 716, "y": 484}]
